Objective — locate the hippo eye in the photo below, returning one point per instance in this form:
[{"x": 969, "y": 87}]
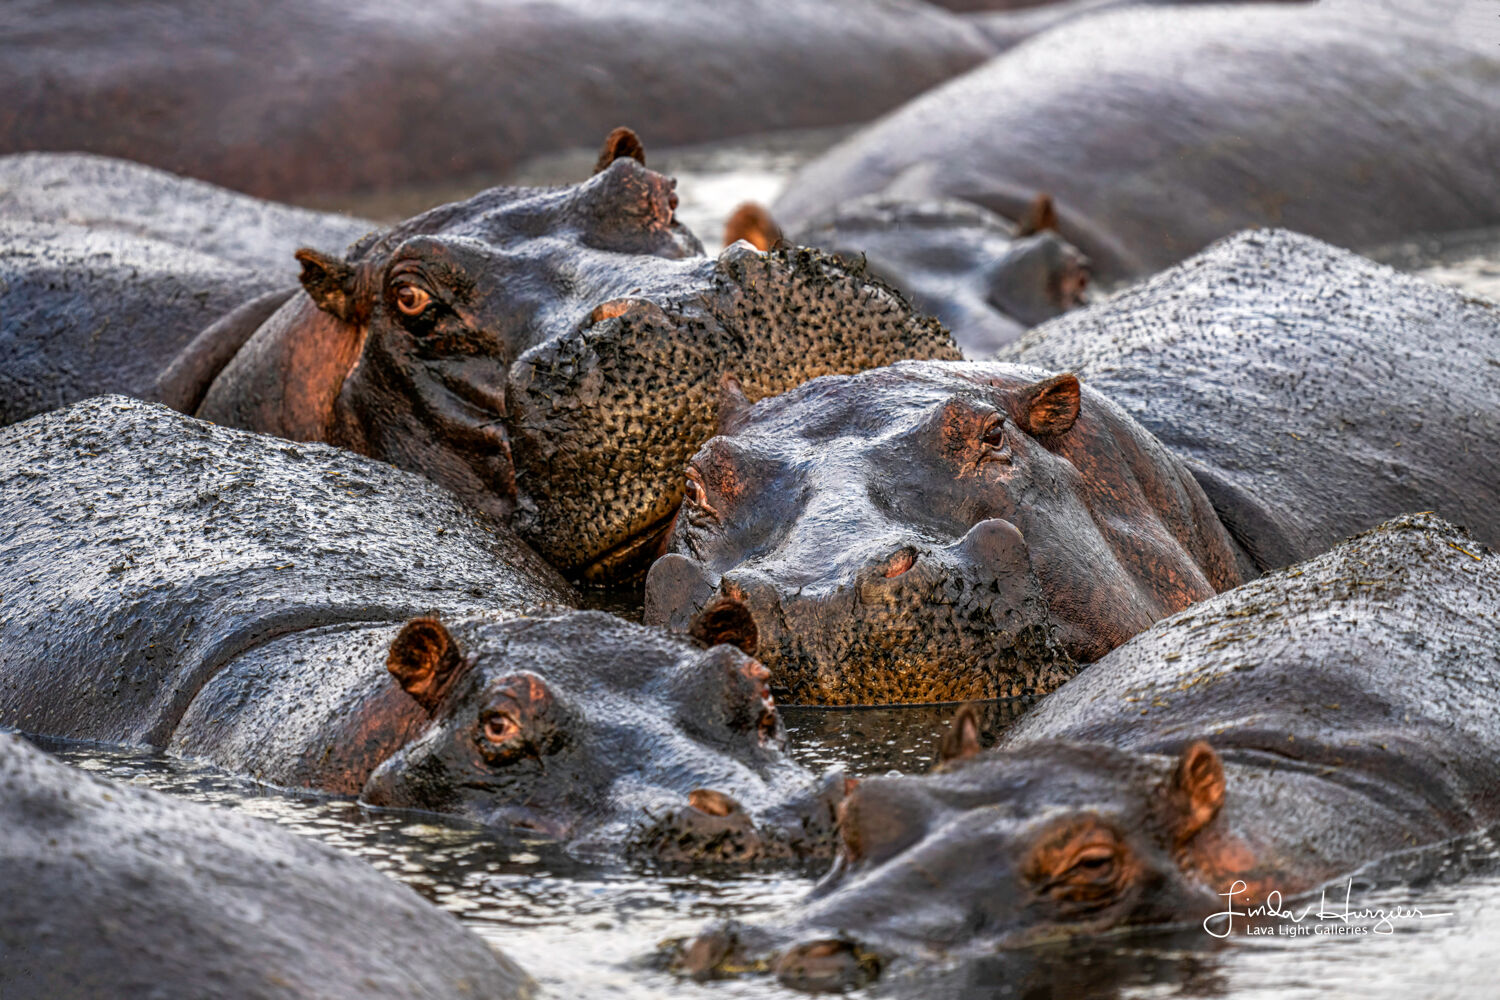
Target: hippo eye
[
  {"x": 994, "y": 440},
  {"x": 694, "y": 494},
  {"x": 411, "y": 300},
  {"x": 500, "y": 727}
]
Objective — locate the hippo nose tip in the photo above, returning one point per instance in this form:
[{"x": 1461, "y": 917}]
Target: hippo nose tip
[
  {"x": 726, "y": 620},
  {"x": 712, "y": 803}
]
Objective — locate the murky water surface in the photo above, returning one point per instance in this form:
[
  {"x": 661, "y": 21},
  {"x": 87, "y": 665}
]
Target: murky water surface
[{"x": 591, "y": 930}]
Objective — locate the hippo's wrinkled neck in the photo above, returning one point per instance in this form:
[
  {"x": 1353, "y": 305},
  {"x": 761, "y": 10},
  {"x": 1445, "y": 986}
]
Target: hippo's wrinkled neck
[{"x": 286, "y": 378}]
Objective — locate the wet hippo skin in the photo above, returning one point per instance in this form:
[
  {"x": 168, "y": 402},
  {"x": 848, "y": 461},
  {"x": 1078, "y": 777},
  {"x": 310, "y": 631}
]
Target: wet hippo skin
[
  {"x": 934, "y": 531},
  {"x": 1277, "y": 736},
  {"x": 117, "y": 891},
  {"x": 1158, "y": 130},
  {"x": 315, "y": 619}
]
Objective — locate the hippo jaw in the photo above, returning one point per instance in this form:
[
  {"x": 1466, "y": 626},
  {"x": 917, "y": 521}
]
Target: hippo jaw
[{"x": 1054, "y": 841}]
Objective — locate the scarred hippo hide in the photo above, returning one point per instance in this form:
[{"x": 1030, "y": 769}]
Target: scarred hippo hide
[
  {"x": 1240, "y": 412},
  {"x": 317, "y": 620},
  {"x": 1268, "y": 740},
  {"x": 117, "y": 891},
  {"x": 1158, "y": 130},
  {"x": 287, "y": 98}
]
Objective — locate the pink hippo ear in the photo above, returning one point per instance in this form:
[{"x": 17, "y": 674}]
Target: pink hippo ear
[
  {"x": 1194, "y": 792},
  {"x": 329, "y": 282},
  {"x": 753, "y": 224},
  {"x": 1040, "y": 215},
  {"x": 423, "y": 659},
  {"x": 962, "y": 738},
  {"x": 1051, "y": 405},
  {"x": 620, "y": 142}
]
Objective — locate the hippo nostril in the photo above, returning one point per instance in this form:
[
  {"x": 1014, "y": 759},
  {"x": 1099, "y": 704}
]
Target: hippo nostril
[
  {"x": 726, "y": 620},
  {"x": 712, "y": 803},
  {"x": 899, "y": 563},
  {"x": 830, "y": 965}
]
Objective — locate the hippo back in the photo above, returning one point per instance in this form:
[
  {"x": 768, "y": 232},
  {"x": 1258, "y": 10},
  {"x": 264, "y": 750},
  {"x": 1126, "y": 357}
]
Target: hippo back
[
  {"x": 178, "y": 546},
  {"x": 117, "y": 891},
  {"x": 1313, "y": 393}
]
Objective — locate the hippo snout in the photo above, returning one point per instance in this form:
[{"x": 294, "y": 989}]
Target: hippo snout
[
  {"x": 829, "y": 965},
  {"x": 709, "y": 827}
]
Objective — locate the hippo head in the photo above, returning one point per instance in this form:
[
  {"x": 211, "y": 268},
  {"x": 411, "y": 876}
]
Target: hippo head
[
  {"x": 1003, "y": 851},
  {"x": 553, "y": 353},
  {"x": 934, "y": 532},
  {"x": 987, "y": 279},
  {"x": 592, "y": 730}
]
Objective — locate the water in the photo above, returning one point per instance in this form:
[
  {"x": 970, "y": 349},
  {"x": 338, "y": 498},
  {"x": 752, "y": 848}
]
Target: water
[{"x": 592, "y": 930}]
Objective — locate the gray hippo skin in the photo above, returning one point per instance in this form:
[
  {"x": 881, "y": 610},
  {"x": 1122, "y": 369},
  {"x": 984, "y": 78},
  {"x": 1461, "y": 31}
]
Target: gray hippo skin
[
  {"x": 286, "y": 98},
  {"x": 1311, "y": 392},
  {"x": 986, "y": 279},
  {"x": 121, "y": 892},
  {"x": 1160, "y": 130},
  {"x": 316, "y": 620},
  {"x": 109, "y": 269},
  {"x": 555, "y": 354},
  {"x": 917, "y": 533},
  {"x": 1274, "y": 738}
]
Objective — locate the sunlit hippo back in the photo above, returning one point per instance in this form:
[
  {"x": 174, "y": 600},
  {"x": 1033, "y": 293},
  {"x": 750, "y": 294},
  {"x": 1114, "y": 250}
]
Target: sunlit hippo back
[{"x": 935, "y": 532}]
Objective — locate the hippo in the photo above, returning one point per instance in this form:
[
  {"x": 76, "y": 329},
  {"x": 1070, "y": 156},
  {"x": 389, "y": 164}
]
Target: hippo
[
  {"x": 291, "y": 99},
  {"x": 941, "y": 531},
  {"x": 1272, "y": 739},
  {"x": 987, "y": 280},
  {"x": 1160, "y": 129},
  {"x": 550, "y": 355},
  {"x": 316, "y": 620},
  {"x": 112, "y": 890}
]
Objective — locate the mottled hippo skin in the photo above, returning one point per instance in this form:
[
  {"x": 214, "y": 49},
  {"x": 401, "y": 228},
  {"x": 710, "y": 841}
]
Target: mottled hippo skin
[
  {"x": 392, "y": 95},
  {"x": 1160, "y": 130},
  {"x": 1271, "y": 739},
  {"x": 317, "y": 620},
  {"x": 988, "y": 280},
  {"x": 556, "y": 354},
  {"x": 1241, "y": 412},
  {"x": 116, "y": 891}
]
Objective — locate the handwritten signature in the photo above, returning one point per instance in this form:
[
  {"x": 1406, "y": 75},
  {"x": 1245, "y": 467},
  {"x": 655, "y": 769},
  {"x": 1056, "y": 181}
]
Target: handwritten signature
[{"x": 1221, "y": 924}]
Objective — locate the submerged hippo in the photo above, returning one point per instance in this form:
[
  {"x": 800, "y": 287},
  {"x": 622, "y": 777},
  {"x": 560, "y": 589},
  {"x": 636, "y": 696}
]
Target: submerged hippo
[
  {"x": 117, "y": 891},
  {"x": 1269, "y": 740},
  {"x": 291, "y": 98},
  {"x": 937, "y": 531},
  {"x": 985, "y": 278},
  {"x": 317, "y": 620},
  {"x": 553, "y": 353},
  {"x": 1158, "y": 130}
]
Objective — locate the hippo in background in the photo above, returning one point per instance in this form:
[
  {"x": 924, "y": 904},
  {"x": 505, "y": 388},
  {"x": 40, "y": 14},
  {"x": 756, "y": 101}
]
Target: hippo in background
[
  {"x": 552, "y": 353},
  {"x": 986, "y": 279},
  {"x": 117, "y": 891},
  {"x": 937, "y": 531},
  {"x": 1272, "y": 739},
  {"x": 314, "y": 619},
  {"x": 1160, "y": 130},
  {"x": 393, "y": 96}
]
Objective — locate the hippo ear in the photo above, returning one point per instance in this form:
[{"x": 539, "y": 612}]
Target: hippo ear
[
  {"x": 423, "y": 659},
  {"x": 1040, "y": 215},
  {"x": 1195, "y": 791},
  {"x": 753, "y": 224},
  {"x": 962, "y": 738},
  {"x": 733, "y": 403},
  {"x": 330, "y": 283},
  {"x": 621, "y": 142},
  {"x": 1051, "y": 405}
]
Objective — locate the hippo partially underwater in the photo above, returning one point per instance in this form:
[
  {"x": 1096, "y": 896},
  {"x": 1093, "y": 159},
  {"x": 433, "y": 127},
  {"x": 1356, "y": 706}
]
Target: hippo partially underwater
[
  {"x": 1158, "y": 130},
  {"x": 552, "y": 353},
  {"x": 317, "y": 620},
  {"x": 1271, "y": 739},
  {"x": 112, "y": 890},
  {"x": 940, "y": 531}
]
